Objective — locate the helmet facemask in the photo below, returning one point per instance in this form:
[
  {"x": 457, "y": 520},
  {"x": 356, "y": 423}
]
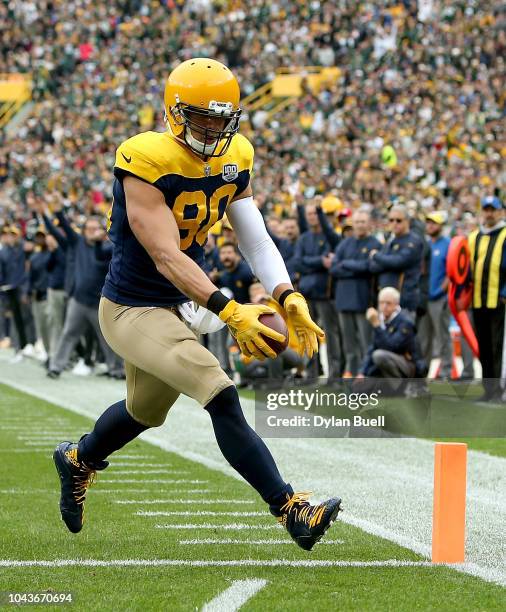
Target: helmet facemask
[{"x": 204, "y": 140}]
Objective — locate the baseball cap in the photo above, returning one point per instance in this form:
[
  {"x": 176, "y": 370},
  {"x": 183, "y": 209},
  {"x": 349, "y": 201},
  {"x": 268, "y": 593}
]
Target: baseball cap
[
  {"x": 491, "y": 201},
  {"x": 436, "y": 217}
]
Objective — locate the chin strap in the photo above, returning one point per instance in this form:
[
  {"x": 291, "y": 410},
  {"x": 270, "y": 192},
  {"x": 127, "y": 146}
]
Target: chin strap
[{"x": 196, "y": 145}]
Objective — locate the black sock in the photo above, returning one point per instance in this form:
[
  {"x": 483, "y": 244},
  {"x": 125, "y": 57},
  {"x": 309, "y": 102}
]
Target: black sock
[
  {"x": 243, "y": 448},
  {"x": 112, "y": 431}
]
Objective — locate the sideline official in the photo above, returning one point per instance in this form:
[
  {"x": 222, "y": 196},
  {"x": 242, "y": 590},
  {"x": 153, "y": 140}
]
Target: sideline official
[{"x": 488, "y": 265}]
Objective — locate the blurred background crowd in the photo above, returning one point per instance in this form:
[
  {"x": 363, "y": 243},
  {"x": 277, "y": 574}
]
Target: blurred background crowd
[{"x": 379, "y": 167}]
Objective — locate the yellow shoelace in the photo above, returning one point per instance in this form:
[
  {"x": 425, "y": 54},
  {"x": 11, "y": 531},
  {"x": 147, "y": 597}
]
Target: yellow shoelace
[
  {"x": 82, "y": 485},
  {"x": 311, "y": 515}
]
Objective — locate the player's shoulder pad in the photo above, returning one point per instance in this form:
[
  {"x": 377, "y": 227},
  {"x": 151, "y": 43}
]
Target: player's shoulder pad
[
  {"x": 141, "y": 155},
  {"x": 242, "y": 150}
]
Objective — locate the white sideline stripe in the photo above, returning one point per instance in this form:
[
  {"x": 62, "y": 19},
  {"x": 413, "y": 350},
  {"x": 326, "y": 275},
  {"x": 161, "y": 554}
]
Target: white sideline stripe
[
  {"x": 266, "y": 541},
  {"x": 183, "y": 501},
  {"x": 153, "y": 480},
  {"x": 235, "y": 596},
  {"x": 212, "y": 563},
  {"x": 392, "y": 507},
  {"x": 199, "y": 513},
  {"x": 226, "y": 527}
]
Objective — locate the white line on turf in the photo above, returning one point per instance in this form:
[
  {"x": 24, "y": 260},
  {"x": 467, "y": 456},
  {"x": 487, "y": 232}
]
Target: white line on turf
[
  {"x": 166, "y": 490},
  {"x": 184, "y": 501},
  {"x": 237, "y": 594},
  {"x": 154, "y": 480},
  {"x": 133, "y": 456},
  {"x": 40, "y": 443},
  {"x": 39, "y": 436},
  {"x": 211, "y": 563},
  {"x": 41, "y": 449},
  {"x": 200, "y": 513},
  {"x": 128, "y": 490},
  {"x": 226, "y": 527},
  {"x": 136, "y": 464},
  {"x": 266, "y": 541},
  {"x": 128, "y": 472}
]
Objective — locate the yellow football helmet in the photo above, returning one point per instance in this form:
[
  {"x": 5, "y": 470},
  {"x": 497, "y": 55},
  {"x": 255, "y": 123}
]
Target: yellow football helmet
[{"x": 198, "y": 89}]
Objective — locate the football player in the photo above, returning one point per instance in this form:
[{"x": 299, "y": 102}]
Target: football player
[{"x": 170, "y": 188}]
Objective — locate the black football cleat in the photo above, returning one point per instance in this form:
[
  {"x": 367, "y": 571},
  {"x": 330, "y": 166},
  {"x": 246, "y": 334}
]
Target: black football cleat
[
  {"x": 75, "y": 478},
  {"x": 306, "y": 523}
]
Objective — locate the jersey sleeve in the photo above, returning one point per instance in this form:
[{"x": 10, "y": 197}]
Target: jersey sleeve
[{"x": 133, "y": 157}]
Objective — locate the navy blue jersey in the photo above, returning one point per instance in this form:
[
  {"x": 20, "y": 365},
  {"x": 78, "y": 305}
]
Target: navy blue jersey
[{"x": 196, "y": 191}]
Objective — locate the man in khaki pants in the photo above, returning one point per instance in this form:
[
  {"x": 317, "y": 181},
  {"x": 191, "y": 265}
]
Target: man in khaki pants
[{"x": 170, "y": 189}]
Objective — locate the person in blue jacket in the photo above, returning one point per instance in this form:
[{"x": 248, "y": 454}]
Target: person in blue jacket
[
  {"x": 82, "y": 310},
  {"x": 13, "y": 279},
  {"x": 313, "y": 258},
  {"x": 37, "y": 286},
  {"x": 398, "y": 263},
  {"x": 354, "y": 289},
  {"x": 394, "y": 351}
]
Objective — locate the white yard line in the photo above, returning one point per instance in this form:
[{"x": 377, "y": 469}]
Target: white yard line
[
  {"x": 128, "y": 472},
  {"x": 225, "y": 527},
  {"x": 263, "y": 542},
  {"x": 183, "y": 501},
  {"x": 40, "y": 449},
  {"x": 386, "y": 485},
  {"x": 314, "y": 563},
  {"x": 237, "y": 594},
  {"x": 201, "y": 513},
  {"x": 145, "y": 472},
  {"x": 138, "y": 464},
  {"x": 130, "y": 490},
  {"x": 133, "y": 456},
  {"x": 145, "y": 481}
]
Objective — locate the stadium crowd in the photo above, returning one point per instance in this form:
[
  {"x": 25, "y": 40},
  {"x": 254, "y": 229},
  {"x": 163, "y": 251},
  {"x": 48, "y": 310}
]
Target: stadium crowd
[{"x": 359, "y": 182}]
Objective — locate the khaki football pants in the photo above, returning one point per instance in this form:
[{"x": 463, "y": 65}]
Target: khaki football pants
[{"x": 163, "y": 358}]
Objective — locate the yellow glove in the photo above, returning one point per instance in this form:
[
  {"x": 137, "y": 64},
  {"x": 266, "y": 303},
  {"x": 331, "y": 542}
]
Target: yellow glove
[
  {"x": 243, "y": 323},
  {"x": 306, "y": 330}
]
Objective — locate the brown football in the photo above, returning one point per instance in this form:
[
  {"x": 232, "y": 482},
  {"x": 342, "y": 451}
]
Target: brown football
[{"x": 276, "y": 322}]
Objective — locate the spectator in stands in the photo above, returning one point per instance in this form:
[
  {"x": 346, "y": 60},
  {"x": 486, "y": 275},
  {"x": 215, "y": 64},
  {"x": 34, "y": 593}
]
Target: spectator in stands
[
  {"x": 398, "y": 262},
  {"x": 82, "y": 311},
  {"x": 56, "y": 296},
  {"x": 354, "y": 290},
  {"x": 488, "y": 262},
  {"x": 12, "y": 281},
  {"x": 236, "y": 274},
  {"x": 434, "y": 326},
  {"x": 38, "y": 286},
  {"x": 313, "y": 258},
  {"x": 285, "y": 241},
  {"x": 393, "y": 352}
]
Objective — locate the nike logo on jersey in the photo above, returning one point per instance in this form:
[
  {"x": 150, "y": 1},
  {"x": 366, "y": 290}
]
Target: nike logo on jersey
[{"x": 127, "y": 159}]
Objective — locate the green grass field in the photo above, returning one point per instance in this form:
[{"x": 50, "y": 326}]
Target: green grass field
[{"x": 31, "y": 530}]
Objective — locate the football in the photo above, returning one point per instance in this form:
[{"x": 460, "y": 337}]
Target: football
[{"x": 275, "y": 321}]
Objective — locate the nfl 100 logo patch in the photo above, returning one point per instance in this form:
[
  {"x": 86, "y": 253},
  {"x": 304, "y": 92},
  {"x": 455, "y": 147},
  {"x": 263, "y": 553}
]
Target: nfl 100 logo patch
[{"x": 230, "y": 172}]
